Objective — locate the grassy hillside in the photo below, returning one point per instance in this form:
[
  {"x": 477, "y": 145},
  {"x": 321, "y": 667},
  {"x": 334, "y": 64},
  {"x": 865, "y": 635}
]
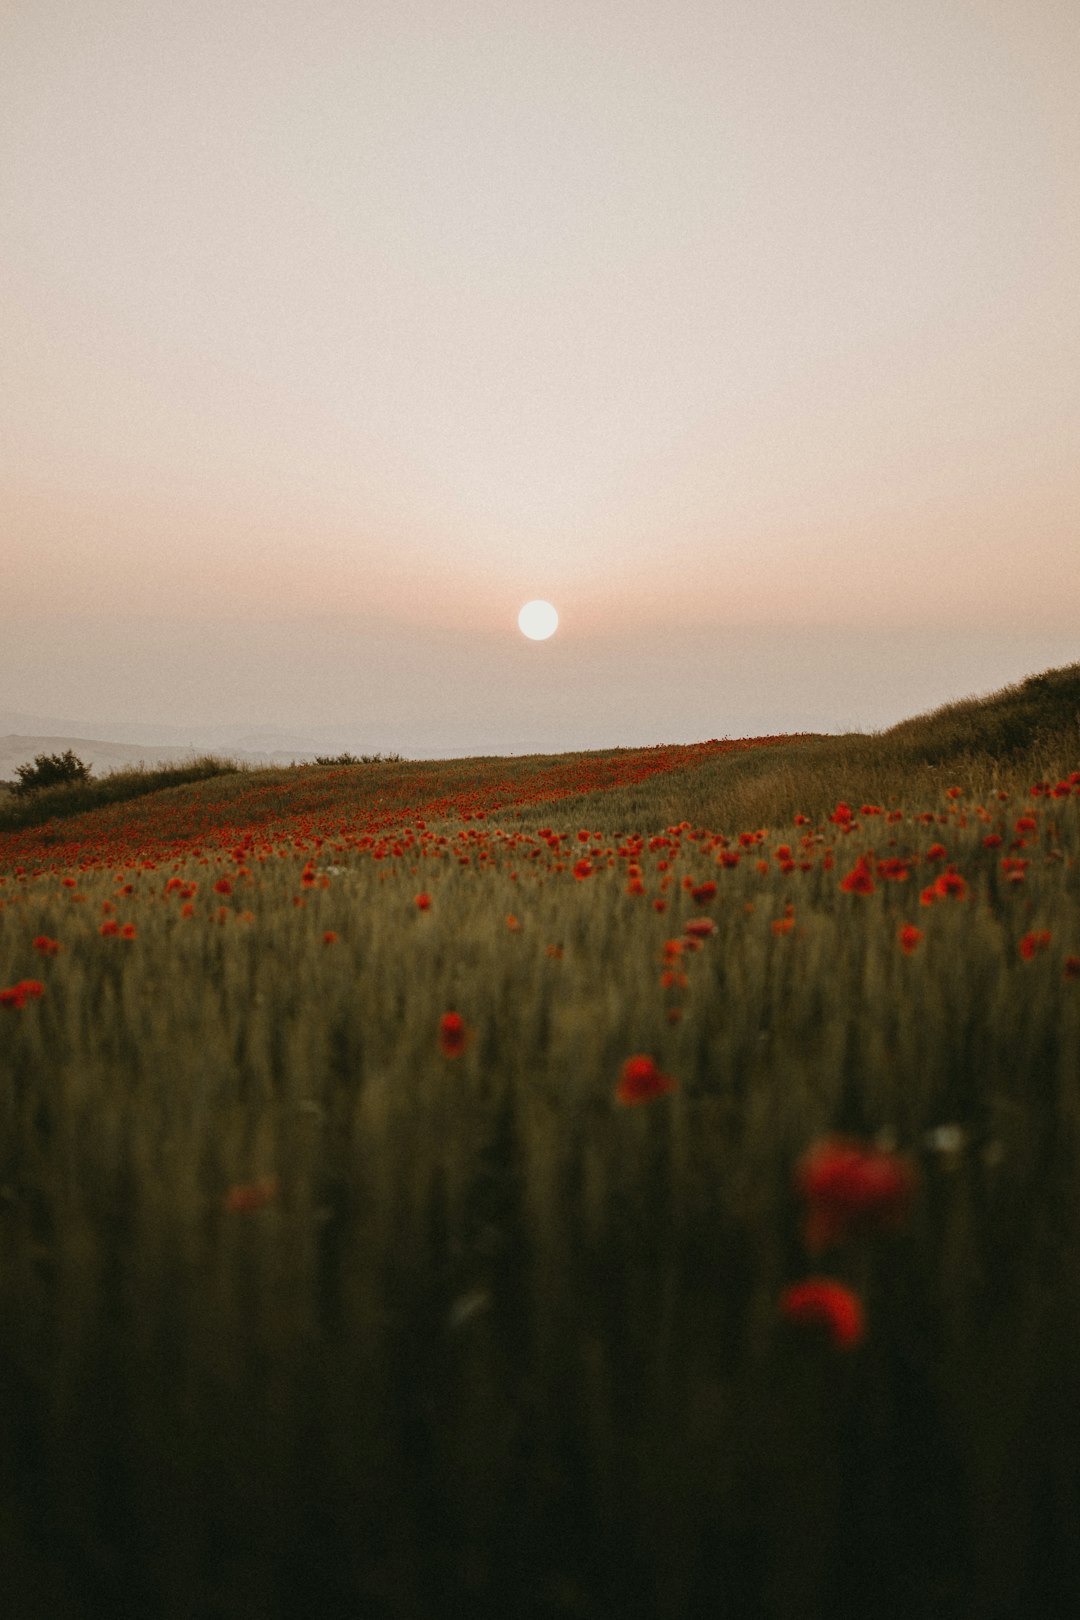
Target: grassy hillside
[
  {"x": 1026, "y": 732},
  {"x": 59, "y": 803},
  {"x": 627, "y": 1184}
]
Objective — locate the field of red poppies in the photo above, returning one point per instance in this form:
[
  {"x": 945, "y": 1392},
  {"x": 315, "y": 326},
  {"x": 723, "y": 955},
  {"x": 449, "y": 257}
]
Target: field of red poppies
[{"x": 477, "y": 1188}]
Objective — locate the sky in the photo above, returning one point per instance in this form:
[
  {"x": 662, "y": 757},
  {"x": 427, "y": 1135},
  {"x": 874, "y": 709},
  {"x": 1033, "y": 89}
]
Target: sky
[{"x": 746, "y": 332}]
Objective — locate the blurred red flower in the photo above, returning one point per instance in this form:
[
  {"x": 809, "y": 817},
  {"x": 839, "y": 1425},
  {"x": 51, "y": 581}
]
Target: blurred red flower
[
  {"x": 1034, "y": 942},
  {"x": 851, "y": 1189},
  {"x": 951, "y": 883},
  {"x": 423, "y": 902},
  {"x": 453, "y": 1035},
  {"x": 17, "y": 995},
  {"x": 704, "y": 892},
  {"x": 859, "y": 879},
  {"x": 241, "y": 1199},
  {"x": 909, "y": 937},
  {"x": 46, "y": 946},
  {"x": 821, "y": 1301},
  {"x": 699, "y": 927},
  {"x": 582, "y": 869},
  {"x": 641, "y": 1081}
]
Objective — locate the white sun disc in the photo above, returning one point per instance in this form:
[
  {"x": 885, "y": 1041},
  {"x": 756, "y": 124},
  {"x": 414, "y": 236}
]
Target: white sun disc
[{"x": 538, "y": 620}]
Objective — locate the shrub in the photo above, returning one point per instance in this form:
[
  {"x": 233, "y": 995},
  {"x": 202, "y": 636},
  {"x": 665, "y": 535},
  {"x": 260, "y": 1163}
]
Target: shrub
[
  {"x": 356, "y": 759},
  {"x": 50, "y": 770}
]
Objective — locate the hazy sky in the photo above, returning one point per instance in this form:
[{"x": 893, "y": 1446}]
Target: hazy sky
[{"x": 745, "y": 331}]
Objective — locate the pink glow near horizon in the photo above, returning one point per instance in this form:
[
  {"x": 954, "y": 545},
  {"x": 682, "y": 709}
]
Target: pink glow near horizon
[{"x": 688, "y": 318}]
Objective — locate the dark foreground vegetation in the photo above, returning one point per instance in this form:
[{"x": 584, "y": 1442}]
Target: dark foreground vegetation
[{"x": 405, "y": 1209}]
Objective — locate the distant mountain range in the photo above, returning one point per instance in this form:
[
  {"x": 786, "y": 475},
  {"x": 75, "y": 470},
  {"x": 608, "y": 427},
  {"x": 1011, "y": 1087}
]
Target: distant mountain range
[
  {"x": 108, "y": 745},
  {"x": 18, "y": 749}
]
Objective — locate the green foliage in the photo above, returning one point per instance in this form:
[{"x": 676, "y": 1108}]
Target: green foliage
[
  {"x": 50, "y": 770},
  {"x": 76, "y": 795},
  {"x": 355, "y": 759}
]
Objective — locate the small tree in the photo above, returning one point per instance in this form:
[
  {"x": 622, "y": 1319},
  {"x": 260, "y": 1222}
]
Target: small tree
[{"x": 51, "y": 770}]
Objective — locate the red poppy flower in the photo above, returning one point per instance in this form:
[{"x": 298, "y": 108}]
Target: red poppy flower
[
  {"x": 110, "y": 927},
  {"x": 583, "y": 869},
  {"x": 128, "y": 931},
  {"x": 1033, "y": 943},
  {"x": 453, "y": 1035},
  {"x": 821, "y": 1301},
  {"x": 703, "y": 892},
  {"x": 850, "y": 1189},
  {"x": 641, "y": 1081},
  {"x": 330, "y": 938},
  {"x": 223, "y": 886},
  {"x": 951, "y": 883},
  {"x": 423, "y": 902},
  {"x": 909, "y": 937},
  {"x": 783, "y": 925},
  {"x": 858, "y": 880},
  {"x": 1072, "y": 967},
  {"x": 46, "y": 946},
  {"x": 699, "y": 927},
  {"x": 17, "y": 995}
]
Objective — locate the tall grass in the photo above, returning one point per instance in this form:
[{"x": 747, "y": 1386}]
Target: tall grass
[
  {"x": 496, "y": 1345},
  {"x": 48, "y": 804}
]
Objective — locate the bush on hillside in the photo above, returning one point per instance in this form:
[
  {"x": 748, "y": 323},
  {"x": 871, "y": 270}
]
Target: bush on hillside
[
  {"x": 50, "y": 770},
  {"x": 356, "y": 759},
  {"x": 59, "y": 800}
]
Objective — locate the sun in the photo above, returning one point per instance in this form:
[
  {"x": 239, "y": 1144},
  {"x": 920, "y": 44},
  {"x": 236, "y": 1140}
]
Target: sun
[{"x": 538, "y": 620}]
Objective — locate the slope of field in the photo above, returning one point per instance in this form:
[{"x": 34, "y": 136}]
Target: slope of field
[{"x": 548, "y": 1189}]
